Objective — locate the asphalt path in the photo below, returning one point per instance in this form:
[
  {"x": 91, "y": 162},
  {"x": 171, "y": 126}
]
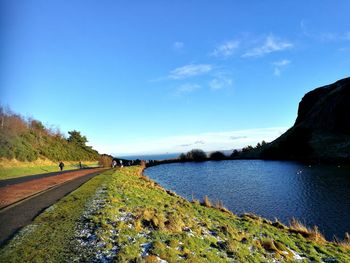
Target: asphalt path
[
  {"x": 27, "y": 178},
  {"x": 18, "y": 215}
]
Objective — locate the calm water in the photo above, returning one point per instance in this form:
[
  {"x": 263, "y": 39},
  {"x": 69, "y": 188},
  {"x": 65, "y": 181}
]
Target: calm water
[{"x": 316, "y": 195}]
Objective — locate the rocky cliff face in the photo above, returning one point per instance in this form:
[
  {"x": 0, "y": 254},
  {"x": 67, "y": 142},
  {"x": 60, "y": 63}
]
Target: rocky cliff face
[
  {"x": 321, "y": 130},
  {"x": 326, "y": 109}
]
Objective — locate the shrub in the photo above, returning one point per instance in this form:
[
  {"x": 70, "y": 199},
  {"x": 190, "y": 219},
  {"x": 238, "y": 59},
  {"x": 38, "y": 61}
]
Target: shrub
[
  {"x": 105, "y": 160},
  {"x": 217, "y": 156},
  {"x": 196, "y": 155},
  {"x": 182, "y": 157},
  {"x": 235, "y": 153}
]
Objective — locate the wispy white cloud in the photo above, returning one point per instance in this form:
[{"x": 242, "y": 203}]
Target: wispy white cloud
[
  {"x": 279, "y": 65},
  {"x": 209, "y": 141},
  {"x": 323, "y": 36},
  {"x": 220, "y": 82},
  {"x": 194, "y": 144},
  {"x": 190, "y": 70},
  {"x": 282, "y": 63},
  {"x": 187, "y": 88},
  {"x": 271, "y": 44},
  {"x": 226, "y": 49},
  {"x": 178, "y": 45}
]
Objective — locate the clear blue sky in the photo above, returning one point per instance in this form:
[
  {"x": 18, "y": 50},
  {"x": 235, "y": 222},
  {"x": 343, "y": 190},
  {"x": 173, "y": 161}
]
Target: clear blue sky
[{"x": 168, "y": 76}]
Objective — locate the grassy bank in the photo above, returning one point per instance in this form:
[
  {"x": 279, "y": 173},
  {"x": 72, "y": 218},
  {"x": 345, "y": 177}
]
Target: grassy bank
[
  {"x": 52, "y": 236},
  {"x": 12, "y": 168},
  {"x": 128, "y": 218}
]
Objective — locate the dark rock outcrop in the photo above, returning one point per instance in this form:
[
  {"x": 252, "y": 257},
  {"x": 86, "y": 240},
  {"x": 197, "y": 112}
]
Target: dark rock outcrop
[
  {"x": 327, "y": 108},
  {"x": 322, "y": 129}
]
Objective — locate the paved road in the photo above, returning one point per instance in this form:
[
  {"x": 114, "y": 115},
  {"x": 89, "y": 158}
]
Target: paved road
[
  {"x": 27, "y": 178},
  {"x": 14, "y": 217}
]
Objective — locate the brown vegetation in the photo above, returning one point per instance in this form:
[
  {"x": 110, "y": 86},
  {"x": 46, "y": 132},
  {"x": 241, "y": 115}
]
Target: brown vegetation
[
  {"x": 310, "y": 233},
  {"x": 105, "y": 160},
  {"x": 206, "y": 201},
  {"x": 346, "y": 242}
]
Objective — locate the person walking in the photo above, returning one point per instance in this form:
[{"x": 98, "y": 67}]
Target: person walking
[{"x": 61, "y": 165}]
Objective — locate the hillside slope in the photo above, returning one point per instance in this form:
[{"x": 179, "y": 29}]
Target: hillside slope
[
  {"x": 28, "y": 140},
  {"x": 322, "y": 129}
]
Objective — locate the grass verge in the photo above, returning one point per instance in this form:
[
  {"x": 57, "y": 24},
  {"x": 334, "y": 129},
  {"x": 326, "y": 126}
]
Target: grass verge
[
  {"x": 130, "y": 218},
  {"x": 15, "y": 172},
  {"x": 51, "y": 237}
]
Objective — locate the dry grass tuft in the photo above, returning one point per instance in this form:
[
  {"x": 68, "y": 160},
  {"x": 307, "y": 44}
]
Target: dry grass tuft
[
  {"x": 206, "y": 201},
  {"x": 346, "y": 242},
  {"x": 174, "y": 224},
  {"x": 298, "y": 226},
  {"x": 150, "y": 259},
  {"x": 219, "y": 204},
  {"x": 148, "y": 214},
  {"x": 309, "y": 233}
]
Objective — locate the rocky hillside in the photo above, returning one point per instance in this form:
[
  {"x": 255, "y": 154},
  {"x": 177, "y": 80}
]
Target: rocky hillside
[{"x": 322, "y": 129}]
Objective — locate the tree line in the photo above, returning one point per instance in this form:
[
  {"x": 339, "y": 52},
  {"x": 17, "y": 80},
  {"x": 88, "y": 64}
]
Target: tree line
[{"x": 200, "y": 155}]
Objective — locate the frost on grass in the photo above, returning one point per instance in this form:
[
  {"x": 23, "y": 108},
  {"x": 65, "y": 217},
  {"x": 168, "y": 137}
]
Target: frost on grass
[
  {"x": 92, "y": 246},
  {"x": 22, "y": 234},
  {"x": 51, "y": 208},
  {"x": 296, "y": 256},
  {"x": 97, "y": 238}
]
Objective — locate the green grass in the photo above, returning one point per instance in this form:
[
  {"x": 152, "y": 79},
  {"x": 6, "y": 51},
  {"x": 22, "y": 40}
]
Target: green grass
[
  {"x": 15, "y": 172},
  {"x": 138, "y": 221},
  {"x": 51, "y": 237}
]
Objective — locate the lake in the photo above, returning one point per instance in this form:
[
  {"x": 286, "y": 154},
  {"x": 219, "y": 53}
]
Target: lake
[{"x": 315, "y": 195}]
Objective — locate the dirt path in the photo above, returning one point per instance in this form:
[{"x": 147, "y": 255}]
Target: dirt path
[
  {"x": 18, "y": 215},
  {"x": 13, "y": 193}
]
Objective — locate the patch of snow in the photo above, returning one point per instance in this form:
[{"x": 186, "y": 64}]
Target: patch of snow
[
  {"x": 161, "y": 260},
  {"x": 125, "y": 217},
  {"x": 17, "y": 239},
  {"x": 91, "y": 244},
  {"x": 50, "y": 208},
  {"x": 296, "y": 256}
]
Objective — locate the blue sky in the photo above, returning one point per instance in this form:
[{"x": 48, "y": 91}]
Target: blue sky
[{"x": 169, "y": 76}]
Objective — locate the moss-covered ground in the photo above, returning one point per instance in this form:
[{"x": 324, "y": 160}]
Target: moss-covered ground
[{"x": 123, "y": 216}]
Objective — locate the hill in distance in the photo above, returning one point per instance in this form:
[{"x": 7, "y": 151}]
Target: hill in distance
[{"x": 321, "y": 131}]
